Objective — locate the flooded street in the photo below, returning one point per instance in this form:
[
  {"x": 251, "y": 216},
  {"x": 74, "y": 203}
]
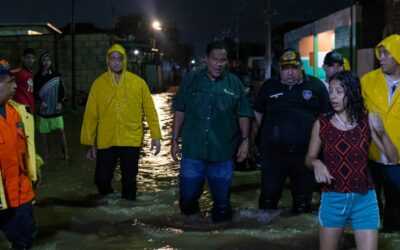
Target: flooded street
[{"x": 70, "y": 215}]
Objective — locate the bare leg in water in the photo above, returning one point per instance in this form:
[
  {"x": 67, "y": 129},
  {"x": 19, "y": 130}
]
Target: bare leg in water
[
  {"x": 64, "y": 144},
  {"x": 45, "y": 145}
]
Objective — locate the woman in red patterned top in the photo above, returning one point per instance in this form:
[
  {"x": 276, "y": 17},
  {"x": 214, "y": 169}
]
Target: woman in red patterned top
[{"x": 348, "y": 190}]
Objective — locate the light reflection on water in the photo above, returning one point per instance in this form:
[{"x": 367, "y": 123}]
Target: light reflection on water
[{"x": 71, "y": 216}]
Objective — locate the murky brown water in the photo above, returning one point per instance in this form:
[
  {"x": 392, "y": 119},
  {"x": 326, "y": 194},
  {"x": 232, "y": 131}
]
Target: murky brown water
[{"x": 70, "y": 215}]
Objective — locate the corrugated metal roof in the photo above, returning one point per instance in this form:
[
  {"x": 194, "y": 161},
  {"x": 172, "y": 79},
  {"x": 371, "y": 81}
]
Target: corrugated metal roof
[{"x": 23, "y": 29}]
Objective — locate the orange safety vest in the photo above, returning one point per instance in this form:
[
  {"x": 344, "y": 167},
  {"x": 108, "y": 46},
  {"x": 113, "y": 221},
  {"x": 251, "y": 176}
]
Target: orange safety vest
[{"x": 14, "y": 173}]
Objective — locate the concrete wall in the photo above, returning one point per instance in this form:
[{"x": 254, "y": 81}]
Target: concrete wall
[
  {"x": 90, "y": 55},
  {"x": 90, "y": 58},
  {"x": 11, "y": 47}
]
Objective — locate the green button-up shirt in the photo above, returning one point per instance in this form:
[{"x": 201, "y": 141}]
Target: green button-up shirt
[{"x": 212, "y": 111}]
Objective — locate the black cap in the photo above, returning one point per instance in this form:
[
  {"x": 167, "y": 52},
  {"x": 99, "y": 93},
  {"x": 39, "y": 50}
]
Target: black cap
[
  {"x": 333, "y": 57},
  {"x": 290, "y": 57}
]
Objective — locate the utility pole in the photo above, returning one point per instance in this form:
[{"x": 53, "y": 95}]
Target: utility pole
[
  {"x": 237, "y": 42},
  {"x": 112, "y": 13},
  {"x": 237, "y": 32},
  {"x": 73, "y": 89},
  {"x": 268, "y": 57}
]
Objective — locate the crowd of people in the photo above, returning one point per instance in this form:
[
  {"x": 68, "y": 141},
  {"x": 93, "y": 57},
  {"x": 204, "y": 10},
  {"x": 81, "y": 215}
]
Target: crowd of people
[
  {"x": 339, "y": 136},
  {"x": 339, "y": 133}
]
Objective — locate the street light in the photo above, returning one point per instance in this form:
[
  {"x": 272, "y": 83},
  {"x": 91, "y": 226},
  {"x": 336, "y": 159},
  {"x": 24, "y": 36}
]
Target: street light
[
  {"x": 156, "y": 25},
  {"x": 157, "y": 55}
]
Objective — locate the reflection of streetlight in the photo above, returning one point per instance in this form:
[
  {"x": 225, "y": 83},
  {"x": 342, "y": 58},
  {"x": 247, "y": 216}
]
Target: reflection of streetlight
[{"x": 156, "y": 25}]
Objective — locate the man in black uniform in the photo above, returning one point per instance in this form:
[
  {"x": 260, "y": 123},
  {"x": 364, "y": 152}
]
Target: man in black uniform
[{"x": 288, "y": 106}]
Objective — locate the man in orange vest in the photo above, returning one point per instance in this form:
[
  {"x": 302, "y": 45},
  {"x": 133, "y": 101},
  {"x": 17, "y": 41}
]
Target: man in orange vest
[{"x": 16, "y": 192}]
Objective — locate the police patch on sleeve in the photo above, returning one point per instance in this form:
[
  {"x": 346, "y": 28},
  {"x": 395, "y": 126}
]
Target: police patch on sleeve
[{"x": 307, "y": 94}]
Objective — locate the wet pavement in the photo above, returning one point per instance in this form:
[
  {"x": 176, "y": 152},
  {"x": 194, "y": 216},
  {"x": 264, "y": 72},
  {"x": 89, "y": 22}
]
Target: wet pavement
[{"x": 70, "y": 215}]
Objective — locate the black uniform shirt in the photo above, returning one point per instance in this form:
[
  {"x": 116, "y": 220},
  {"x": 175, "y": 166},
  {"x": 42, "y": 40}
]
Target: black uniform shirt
[{"x": 290, "y": 111}]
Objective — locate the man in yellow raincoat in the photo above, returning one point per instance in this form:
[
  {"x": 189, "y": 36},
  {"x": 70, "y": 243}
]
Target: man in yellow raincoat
[
  {"x": 113, "y": 124},
  {"x": 380, "y": 89}
]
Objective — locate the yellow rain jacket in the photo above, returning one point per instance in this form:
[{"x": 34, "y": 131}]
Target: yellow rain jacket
[
  {"x": 114, "y": 112},
  {"x": 376, "y": 96},
  {"x": 30, "y": 155}
]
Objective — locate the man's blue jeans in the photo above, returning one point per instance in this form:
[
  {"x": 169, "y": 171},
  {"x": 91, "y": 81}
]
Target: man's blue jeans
[{"x": 192, "y": 175}]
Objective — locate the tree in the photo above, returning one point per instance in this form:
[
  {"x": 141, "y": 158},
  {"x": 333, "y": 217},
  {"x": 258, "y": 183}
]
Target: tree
[
  {"x": 136, "y": 31},
  {"x": 132, "y": 27}
]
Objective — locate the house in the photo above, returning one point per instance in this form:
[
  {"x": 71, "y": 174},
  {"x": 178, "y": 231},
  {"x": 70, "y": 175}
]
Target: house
[{"x": 353, "y": 31}]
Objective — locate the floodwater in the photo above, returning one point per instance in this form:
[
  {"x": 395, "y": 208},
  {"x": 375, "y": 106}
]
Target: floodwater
[{"x": 69, "y": 214}]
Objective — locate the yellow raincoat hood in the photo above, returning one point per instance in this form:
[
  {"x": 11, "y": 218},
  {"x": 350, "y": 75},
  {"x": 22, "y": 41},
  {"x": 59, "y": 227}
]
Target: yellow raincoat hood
[
  {"x": 115, "y": 113},
  {"x": 392, "y": 44},
  {"x": 117, "y": 48}
]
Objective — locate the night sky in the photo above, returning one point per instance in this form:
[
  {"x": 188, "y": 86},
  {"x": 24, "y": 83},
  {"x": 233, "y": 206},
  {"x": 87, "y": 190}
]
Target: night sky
[{"x": 198, "y": 21}]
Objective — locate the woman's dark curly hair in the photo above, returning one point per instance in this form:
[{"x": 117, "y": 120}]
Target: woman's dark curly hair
[{"x": 353, "y": 100}]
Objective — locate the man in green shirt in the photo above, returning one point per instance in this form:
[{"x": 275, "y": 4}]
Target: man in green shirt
[{"x": 210, "y": 107}]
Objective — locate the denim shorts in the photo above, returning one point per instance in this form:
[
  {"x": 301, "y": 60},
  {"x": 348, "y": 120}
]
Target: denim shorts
[{"x": 339, "y": 209}]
